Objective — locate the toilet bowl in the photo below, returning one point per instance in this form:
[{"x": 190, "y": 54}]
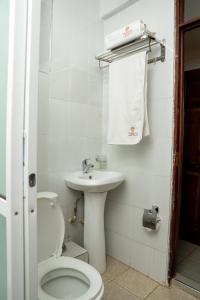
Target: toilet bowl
[{"x": 61, "y": 277}]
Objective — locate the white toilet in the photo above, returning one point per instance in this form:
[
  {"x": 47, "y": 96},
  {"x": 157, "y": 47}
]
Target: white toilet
[{"x": 61, "y": 277}]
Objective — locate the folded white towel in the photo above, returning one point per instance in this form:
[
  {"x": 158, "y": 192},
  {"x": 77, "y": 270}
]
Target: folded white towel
[
  {"x": 127, "y": 111},
  {"x": 125, "y": 34}
]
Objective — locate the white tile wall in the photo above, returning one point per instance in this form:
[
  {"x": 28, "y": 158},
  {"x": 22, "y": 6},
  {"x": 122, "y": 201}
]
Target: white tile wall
[
  {"x": 45, "y": 34},
  {"x": 111, "y": 7},
  {"x": 149, "y": 261},
  {"x": 70, "y": 98},
  {"x": 72, "y": 119},
  {"x": 147, "y": 166}
]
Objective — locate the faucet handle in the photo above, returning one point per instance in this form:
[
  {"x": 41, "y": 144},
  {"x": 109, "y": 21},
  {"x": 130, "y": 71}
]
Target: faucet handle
[{"x": 85, "y": 161}]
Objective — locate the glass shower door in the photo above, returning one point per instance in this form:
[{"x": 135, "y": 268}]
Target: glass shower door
[{"x": 4, "y": 27}]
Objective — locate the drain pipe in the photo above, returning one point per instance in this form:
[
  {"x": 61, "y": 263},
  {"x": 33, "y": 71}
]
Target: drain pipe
[{"x": 74, "y": 218}]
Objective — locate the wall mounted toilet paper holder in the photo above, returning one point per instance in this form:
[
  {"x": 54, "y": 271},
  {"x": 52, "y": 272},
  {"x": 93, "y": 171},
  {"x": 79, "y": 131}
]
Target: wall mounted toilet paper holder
[{"x": 151, "y": 218}]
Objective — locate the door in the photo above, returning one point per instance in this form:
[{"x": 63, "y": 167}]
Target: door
[
  {"x": 12, "y": 63},
  {"x": 190, "y": 203},
  {"x": 19, "y": 32}
]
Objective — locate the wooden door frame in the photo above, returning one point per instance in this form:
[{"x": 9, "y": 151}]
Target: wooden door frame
[{"x": 181, "y": 28}]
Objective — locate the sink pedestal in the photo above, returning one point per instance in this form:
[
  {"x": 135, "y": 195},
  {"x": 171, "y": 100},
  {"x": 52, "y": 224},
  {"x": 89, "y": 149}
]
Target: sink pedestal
[{"x": 94, "y": 234}]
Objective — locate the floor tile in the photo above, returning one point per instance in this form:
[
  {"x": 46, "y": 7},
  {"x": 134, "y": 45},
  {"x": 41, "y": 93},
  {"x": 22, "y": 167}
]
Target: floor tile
[
  {"x": 136, "y": 283},
  {"x": 114, "y": 292},
  {"x": 173, "y": 293},
  {"x": 184, "y": 249},
  {"x": 190, "y": 269},
  {"x": 195, "y": 255},
  {"x": 114, "y": 269}
]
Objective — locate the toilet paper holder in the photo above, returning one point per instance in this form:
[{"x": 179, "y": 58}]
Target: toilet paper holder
[{"x": 151, "y": 218}]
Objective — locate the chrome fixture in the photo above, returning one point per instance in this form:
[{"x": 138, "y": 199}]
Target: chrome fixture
[
  {"x": 86, "y": 166},
  {"x": 146, "y": 41}
]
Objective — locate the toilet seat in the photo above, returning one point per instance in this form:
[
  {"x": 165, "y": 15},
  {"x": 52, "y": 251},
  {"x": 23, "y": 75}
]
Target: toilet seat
[
  {"x": 81, "y": 270},
  {"x": 56, "y": 272}
]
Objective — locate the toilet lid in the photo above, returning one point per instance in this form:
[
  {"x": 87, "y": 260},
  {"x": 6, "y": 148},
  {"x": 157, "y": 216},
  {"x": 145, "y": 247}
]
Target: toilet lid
[{"x": 50, "y": 226}]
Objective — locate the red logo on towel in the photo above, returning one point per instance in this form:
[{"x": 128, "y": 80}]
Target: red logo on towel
[
  {"x": 127, "y": 31},
  {"x": 133, "y": 132}
]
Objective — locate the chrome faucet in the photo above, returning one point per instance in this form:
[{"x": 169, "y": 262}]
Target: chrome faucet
[{"x": 86, "y": 166}]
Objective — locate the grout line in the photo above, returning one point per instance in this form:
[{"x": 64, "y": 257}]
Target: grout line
[
  {"x": 127, "y": 290},
  {"x": 131, "y": 292},
  {"x": 152, "y": 292},
  {"x": 115, "y": 277}
]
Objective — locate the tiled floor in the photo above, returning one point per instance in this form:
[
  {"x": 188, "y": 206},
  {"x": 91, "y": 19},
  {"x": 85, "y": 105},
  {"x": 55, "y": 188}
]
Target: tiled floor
[
  {"x": 188, "y": 264},
  {"x": 124, "y": 283}
]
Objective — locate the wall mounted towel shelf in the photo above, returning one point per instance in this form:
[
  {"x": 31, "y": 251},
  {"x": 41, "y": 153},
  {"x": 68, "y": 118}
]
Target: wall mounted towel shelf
[{"x": 146, "y": 41}]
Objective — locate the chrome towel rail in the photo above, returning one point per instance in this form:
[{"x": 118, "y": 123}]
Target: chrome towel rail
[{"x": 146, "y": 41}]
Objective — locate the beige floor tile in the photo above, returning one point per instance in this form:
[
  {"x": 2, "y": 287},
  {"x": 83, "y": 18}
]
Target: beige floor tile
[
  {"x": 114, "y": 292},
  {"x": 173, "y": 293},
  {"x": 114, "y": 269},
  {"x": 136, "y": 283}
]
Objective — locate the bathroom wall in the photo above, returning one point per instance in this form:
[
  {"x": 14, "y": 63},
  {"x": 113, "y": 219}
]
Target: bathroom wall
[
  {"x": 148, "y": 165},
  {"x": 43, "y": 95},
  {"x": 72, "y": 117},
  {"x": 109, "y": 8},
  {"x": 70, "y": 98}
]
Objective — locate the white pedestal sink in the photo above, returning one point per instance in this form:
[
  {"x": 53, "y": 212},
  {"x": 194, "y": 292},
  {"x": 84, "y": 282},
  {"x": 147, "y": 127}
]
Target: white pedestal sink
[{"x": 95, "y": 186}]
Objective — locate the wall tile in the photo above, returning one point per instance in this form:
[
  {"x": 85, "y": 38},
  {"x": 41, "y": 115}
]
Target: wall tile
[
  {"x": 78, "y": 120},
  {"x": 149, "y": 261},
  {"x": 45, "y": 34},
  {"x": 57, "y": 153},
  {"x": 58, "y": 118},
  {"x": 76, "y": 151},
  {"x": 94, "y": 147},
  {"x": 94, "y": 122},
  {"x": 42, "y": 182},
  {"x": 60, "y": 84},
  {"x": 118, "y": 218},
  {"x": 154, "y": 239},
  {"x": 118, "y": 246},
  {"x": 146, "y": 166},
  {"x": 163, "y": 110},
  {"x": 43, "y": 103},
  {"x": 42, "y": 155}
]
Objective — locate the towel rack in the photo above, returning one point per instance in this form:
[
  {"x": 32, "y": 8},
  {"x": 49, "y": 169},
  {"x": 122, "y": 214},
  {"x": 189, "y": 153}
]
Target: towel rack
[{"x": 147, "y": 40}]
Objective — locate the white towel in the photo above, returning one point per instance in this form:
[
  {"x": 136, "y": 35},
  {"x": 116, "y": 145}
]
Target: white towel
[
  {"x": 125, "y": 34},
  {"x": 127, "y": 110}
]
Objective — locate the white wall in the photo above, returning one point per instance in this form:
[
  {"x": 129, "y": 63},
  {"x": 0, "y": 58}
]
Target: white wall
[
  {"x": 70, "y": 100},
  {"x": 43, "y": 97},
  {"x": 71, "y": 130},
  {"x": 111, "y": 7},
  {"x": 148, "y": 165}
]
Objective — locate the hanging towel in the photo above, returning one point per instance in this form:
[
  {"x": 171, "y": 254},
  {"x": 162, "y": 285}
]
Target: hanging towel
[{"x": 127, "y": 109}]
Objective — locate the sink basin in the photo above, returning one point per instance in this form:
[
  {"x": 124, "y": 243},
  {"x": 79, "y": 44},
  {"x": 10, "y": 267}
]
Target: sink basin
[
  {"x": 94, "y": 181},
  {"x": 95, "y": 186}
]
